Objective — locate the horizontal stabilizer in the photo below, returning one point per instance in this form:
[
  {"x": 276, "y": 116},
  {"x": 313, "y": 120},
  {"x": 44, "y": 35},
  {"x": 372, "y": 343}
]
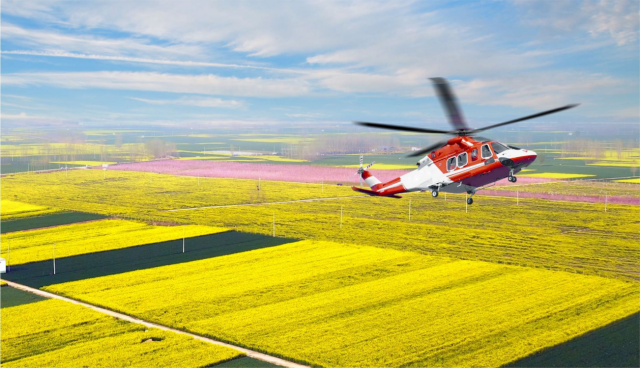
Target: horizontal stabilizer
[{"x": 373, "y": 193}]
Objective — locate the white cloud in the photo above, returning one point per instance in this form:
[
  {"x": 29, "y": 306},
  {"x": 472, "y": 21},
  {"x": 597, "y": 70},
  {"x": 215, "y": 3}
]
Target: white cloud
[
  {"x": 53, "y": 41},
  {"x": 617, "y": 19},
  {"x": 195, "y": 101},
  {"x": 186, "y": 63},
  {"x": 208, "y": 84}
]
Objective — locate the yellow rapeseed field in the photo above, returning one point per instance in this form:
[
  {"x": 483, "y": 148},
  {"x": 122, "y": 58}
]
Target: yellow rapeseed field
[
  {"x": 11, "y": 210},
  {"x": 53, "y": 333},
  {"x": 143, "y": 193},
  {"x": 88, "y": 163},
  {"x": 344, "y": 306},
  {"x": 573, "y": 236},
  {"x": 70, "y": 240},
  {"x": 634, "y": 181}
]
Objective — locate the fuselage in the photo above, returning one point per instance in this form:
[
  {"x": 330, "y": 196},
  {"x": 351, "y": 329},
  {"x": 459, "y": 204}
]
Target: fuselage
[{"x": 462, "y": 165}]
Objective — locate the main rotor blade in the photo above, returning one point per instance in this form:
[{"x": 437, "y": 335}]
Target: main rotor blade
[
  {"x": 432, "y": 147},
  {"x": 402, "y": 128},
  {"x": 449, "y": 103},
  {"x": 524, "y": 118}
]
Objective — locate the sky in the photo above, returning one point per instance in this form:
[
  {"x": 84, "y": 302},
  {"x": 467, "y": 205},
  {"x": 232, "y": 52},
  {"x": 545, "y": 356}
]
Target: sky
[{"x": 206, "y": 63}]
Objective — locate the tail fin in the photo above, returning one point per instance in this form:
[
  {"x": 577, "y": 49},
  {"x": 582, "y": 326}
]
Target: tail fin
[{"x": 371, "y": 180}]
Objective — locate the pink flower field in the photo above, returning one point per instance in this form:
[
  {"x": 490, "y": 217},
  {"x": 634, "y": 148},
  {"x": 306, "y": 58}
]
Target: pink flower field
[{"x": 238, "y": 170}]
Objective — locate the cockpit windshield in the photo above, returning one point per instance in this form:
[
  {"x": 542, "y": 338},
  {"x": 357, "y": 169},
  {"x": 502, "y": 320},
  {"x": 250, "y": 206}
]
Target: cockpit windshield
[{"x": 498, "y": 147}]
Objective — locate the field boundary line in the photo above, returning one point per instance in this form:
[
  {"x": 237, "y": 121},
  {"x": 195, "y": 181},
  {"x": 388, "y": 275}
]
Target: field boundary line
[
  {"x": 250, "y": 353},
  {"x": 263, "y": 204}
]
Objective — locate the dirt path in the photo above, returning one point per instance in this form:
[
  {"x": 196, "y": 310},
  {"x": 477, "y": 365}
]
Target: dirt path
[{"x": 124, "y": 317}]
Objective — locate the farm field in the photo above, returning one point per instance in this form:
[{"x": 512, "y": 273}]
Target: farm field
[
  {"x": 142, "y": 193},
  {"x": 89, "y": 265},
  {"x": 346, "y": 305},
  {"x": 576, "y": 236},
  {"x": 61, "y": 334},
  {"x": 46, "y": 220},
  {"x": 37, "y": 245},
  {"x": 615, "y": 345},
  {"x": 11, "y": 210}
]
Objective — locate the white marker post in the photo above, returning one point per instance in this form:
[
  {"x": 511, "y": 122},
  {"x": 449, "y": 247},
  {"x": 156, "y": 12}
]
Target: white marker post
[
  {"x": 323, "y": 186},
  {"x": 409, "y": 210},
  {"x": 54, "y": 258}
]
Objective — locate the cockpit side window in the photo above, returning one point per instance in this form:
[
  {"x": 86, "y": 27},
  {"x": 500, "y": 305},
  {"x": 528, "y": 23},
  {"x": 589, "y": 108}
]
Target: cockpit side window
[
  {"x": 474, "y": 154},
  {"x": 486, "y": 151},
  {"x": 462, "y": 159},
  {"x": 451, "y": 163},
  {"x": 498, "y": 147}
]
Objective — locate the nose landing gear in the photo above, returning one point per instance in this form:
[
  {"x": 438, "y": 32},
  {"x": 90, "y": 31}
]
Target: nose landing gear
[
  {"x": 434, "y": 193},
  {"x": 470, "y": 199},
  {"x": 512, "y": 178}
]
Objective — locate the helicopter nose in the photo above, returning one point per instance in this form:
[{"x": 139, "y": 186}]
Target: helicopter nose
[{"x": 526, "y": 157}]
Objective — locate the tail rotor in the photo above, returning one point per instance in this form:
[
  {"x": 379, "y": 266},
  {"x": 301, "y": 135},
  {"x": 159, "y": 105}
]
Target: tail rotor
[{"x": 362, "y": 169}]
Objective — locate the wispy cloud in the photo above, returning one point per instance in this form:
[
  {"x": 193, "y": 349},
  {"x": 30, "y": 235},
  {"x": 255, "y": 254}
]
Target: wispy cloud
[
  {"x": 195, "y": 101},
  {"x": 208, "y": 84}
]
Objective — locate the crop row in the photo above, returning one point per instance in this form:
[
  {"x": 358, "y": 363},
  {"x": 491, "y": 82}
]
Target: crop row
[
  {"x": 11, "y": 210},
  {"x": 61, "y": 334},
  {"x": 340, "y": 305},
  {"x": 69, "y": 240}
]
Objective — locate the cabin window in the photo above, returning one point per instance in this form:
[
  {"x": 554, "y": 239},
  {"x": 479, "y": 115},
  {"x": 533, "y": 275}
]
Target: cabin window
[
  {"x": 462, "y": 159},
  {"x": 474, "y": 154},
  {"x": 486, "y": 152},
  {"x": 498, "y": 147},
  {"x": 451, "y": 163}
]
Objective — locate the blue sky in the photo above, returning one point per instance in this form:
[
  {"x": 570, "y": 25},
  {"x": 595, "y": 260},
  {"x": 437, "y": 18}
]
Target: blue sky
[{"x": 206, "y": 63}]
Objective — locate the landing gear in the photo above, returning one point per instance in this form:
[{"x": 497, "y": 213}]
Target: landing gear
[
  {"x": 434, "y": 193},
  {"x": 470, "y": 199},
  {"x": 512, "y": 178}
]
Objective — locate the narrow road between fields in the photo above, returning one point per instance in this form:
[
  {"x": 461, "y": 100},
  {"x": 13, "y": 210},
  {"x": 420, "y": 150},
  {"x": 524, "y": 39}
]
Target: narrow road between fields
[
  {"x": 266, "y": 203},
  {"x": 124, "y": 317}
]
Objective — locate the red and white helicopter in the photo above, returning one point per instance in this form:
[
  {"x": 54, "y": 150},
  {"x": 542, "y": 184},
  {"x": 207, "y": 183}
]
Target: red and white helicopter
[{"x": 458, "y": 165}]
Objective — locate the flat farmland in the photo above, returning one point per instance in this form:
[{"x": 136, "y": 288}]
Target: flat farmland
[
  {"x": 37, "y": 245},
  {"x": 563, "y": 235},
  {"x": 573, "y": 237},
  {"x": 61, "y": 334},
  {"x": 328, "y": 304}
]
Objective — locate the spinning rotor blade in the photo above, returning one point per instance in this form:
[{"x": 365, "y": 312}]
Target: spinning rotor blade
[
  {"x": 449, "y": 103},
  {"x": 524, "y": 118},
  {"x": 432, "y": 147},
  {"x": 368, "y": 166},
  {"x": 403, "y": 128}
]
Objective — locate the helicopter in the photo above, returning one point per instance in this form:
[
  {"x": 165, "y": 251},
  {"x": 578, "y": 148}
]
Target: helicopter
[{"x": 465, "y": 163}]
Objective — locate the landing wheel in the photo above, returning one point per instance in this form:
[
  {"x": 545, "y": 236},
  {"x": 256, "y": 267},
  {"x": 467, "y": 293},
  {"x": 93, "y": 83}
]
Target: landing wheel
[
  {"x": 434, "y": 193},
  {"x": 469, "y": 200},
  {"x": 513, "y": 179}
]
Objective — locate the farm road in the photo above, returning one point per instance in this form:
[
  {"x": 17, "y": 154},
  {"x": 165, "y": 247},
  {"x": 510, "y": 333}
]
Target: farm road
[
  {"x": 124, "y": 317},
  {"x": 264, "y": 204}
]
